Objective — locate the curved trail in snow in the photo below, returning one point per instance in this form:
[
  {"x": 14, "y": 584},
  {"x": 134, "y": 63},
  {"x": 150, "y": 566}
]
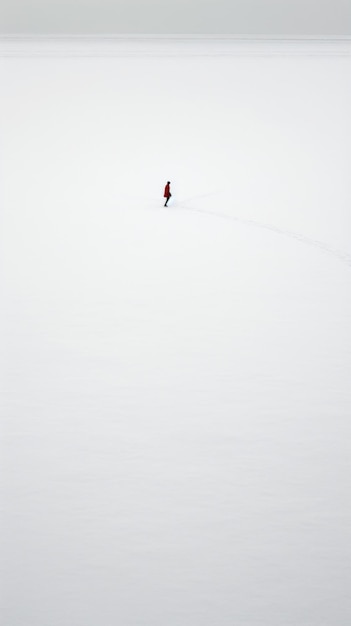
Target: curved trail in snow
[{"x": 339, "y": 254}]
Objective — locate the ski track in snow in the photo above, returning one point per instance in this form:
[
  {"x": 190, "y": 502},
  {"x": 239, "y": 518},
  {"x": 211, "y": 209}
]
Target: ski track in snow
[{"x": 321, "y": 245}]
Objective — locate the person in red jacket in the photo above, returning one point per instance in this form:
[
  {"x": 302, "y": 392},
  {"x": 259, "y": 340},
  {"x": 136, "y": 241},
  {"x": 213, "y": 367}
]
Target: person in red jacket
[{"x": 167, "y": 193}]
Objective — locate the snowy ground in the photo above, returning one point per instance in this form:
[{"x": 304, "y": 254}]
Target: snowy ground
[{"x": 176, "y": 392}]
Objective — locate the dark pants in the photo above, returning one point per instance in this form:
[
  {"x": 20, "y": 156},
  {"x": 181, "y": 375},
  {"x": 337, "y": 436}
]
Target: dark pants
[{"x": 168, "y": 197}]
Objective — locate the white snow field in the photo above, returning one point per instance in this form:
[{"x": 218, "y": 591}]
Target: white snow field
[{"x": 176, "y": 394}]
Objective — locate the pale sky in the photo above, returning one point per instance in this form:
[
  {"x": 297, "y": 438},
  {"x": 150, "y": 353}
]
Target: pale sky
[{"x": 264, "y": 17}]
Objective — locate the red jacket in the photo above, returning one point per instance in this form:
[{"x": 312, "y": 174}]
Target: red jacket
[{"x": 167, "y": 192}]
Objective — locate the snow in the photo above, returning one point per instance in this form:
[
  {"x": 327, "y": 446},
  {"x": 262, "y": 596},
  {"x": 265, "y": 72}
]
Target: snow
[{"x": 176, "y": 391}]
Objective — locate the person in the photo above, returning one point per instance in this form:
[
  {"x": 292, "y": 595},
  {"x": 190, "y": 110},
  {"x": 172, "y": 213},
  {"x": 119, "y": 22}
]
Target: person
[{"x": 167, "y": 193}]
